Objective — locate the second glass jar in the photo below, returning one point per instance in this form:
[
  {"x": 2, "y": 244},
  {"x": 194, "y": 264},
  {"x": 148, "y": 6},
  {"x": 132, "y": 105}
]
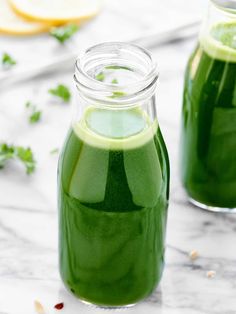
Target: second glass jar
[{"x": 208, "y": 150}]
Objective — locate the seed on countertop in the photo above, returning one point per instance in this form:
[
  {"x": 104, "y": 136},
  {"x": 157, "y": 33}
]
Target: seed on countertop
[
  {"x": 211, "y": 274},
  {"x": 38, "y": 307},
  {"x": 59, "y": 306},
  {"x": 193, "y": 255}
]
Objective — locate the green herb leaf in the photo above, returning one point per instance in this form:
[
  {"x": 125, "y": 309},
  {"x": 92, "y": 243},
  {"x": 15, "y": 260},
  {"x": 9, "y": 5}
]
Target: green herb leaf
[
  {"x": 117, "y": 94},
  {"x": 25, "y": 155},
  {"x": 114, "y": 81},
  {"x": 7, "y": 60},
  {"x": 54, "y": 151},
  {"x": 62, "y": 92},
  {"x": 100, "y": 77},
  {"x": 118, "y": 67},
  {"x": 6, "y": 152},
  {"x": 63, "y": 33},
  {"x": 35, "y": 115}
]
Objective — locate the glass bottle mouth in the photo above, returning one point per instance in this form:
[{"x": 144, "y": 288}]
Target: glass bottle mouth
[
  {"x": 116, "y": 74},
  {"x": 226, "y": 5}
]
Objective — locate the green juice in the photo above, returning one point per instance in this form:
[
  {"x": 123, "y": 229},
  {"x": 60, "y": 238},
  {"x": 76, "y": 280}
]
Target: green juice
[
  {"x": 113, "y": 196},
  {"x": 208, "y": 158}
]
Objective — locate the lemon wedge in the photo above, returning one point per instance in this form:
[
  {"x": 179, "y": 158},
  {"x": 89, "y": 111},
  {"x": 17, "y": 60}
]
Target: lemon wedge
[
  {"x": 12, "y": 24},
  {"x": 57, "y": 11}
]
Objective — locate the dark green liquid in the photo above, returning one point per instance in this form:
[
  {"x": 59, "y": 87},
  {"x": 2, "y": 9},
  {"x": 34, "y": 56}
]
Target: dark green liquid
[
  {"x": 113, "y": 210},
  {"x": 209, "y": 131}
]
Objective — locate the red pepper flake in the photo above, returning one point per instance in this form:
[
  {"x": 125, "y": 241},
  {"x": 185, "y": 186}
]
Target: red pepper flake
[{"x": 59, "y": 306}]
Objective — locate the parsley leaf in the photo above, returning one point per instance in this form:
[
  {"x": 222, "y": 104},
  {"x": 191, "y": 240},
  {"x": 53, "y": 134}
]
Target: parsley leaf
[
  {"x": 62, "y": 92},
  {"x": 117, "y": 94},
  {"x": 63, "y": 33},
  {"x": 6, "y": 152},
  {"x": 100, "y": 77},
  {"x": 114, "y": 81},
  {"x": 23, "y": 154},
  {"x": 35, "y": 115},
  {"x": 54, "y": 151},
  {"x": 7, "y": 60},
  {"x": 118, "y": 67}
]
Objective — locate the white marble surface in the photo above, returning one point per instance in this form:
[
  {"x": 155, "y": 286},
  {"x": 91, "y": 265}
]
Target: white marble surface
[{"x": 28, "y": 215}]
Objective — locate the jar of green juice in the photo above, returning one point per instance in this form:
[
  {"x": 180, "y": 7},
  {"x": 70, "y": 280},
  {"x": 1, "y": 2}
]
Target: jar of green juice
[
  {"x": 113, "y": 182},
  {"x": 208, "y": 142}
]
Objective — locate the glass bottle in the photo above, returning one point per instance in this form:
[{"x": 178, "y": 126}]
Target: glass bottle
[
  {"x": 113, "y": 183},
  {"x": 208, "y": 141}
]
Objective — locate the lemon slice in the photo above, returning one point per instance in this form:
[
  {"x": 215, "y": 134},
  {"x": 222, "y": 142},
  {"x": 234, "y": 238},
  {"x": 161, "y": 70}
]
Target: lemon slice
[
  {"x": 220, "y": 42},
  {"x": 10, "y": 23},
  {"x": 57, "y": 11}
]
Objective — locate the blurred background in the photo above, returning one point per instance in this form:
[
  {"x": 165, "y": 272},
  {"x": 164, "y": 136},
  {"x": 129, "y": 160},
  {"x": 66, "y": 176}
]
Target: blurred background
[{"x": 35, "y": 112}]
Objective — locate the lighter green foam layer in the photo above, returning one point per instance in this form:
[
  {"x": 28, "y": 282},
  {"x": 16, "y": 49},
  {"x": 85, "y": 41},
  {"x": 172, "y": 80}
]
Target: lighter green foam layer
[
  {"x": 220, "y": 42},
  {"x": 131, "y": 131}
]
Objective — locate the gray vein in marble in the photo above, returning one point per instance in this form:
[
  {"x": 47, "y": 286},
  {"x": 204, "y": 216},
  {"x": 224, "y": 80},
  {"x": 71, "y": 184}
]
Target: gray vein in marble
[
  {"x": 13, "y": 234},
  {"x": 28, "y": 210}
]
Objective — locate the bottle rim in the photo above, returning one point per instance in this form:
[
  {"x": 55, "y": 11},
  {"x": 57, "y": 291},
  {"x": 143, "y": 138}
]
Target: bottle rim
[
  {"x": 109, "y": 54},
  {"x": 225, "y": 5}
]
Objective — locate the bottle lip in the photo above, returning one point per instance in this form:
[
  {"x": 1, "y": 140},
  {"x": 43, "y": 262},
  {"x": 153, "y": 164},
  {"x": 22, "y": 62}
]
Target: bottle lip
[
  {"x": 226, "y": 5},
  {"x": 109, "y": 53}
]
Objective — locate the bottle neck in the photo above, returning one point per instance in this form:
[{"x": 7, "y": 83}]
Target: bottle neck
[
  {"x": 225, "y": 5},
  {"x": 217, "y": 36},
  {"x": 116, "y": 75},
  {"x": 115, "y": 101},
  {"x": 217, "y": 14}
]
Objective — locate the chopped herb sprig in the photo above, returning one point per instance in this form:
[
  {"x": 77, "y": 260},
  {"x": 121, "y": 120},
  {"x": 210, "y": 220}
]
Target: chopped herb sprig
[
  {"x": 114, "y": 81},
  {"x": 54, "y": 151},
  {"x": 100, "y": 77},
  {"x": 62, "y": 92},
  {"x": 118, "y": 94},
  {"x": 118, "y": 67},
  {"x": 25, "y": 155},
  {"x": 63, "y": 33},
  {"x": 7, "y": 60},
  {"x": 35, "y": 115}
]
